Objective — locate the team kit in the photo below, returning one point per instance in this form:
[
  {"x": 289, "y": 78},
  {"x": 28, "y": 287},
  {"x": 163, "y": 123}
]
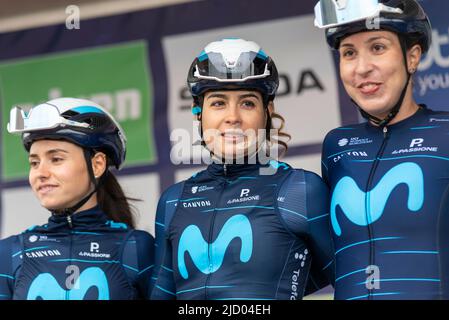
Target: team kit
[{"x": 249, "y": 226}]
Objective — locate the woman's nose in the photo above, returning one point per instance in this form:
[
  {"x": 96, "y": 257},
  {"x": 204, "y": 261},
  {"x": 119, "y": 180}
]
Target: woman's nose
[{"x": 233, "y": 116}]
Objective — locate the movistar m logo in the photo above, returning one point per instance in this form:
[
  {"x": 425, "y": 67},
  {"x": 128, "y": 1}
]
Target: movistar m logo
[
  {"x": 365, "y": 208},
  {"x": 209, "y": 257},
  {"x": 45, "y": 286}
]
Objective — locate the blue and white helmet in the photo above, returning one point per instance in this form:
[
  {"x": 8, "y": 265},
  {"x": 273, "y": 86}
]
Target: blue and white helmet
[
  {"x": 80, "y": 121},
  {"x": 233, "y": 63}
]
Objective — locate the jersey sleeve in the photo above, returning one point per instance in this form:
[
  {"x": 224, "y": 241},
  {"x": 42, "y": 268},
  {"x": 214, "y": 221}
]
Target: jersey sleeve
[
  {"x": 319, "y": 234},
  {"x": 324, "y": 161},
  {"x": 164, "y": 288},
  {"x": 7, "y": 272},
  {"x": 138, "y": 260},
  {"x": 163, "y": 281},
  {"x": 304, "y": 208}
]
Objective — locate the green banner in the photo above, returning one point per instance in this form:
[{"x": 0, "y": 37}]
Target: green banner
[{"x": 117, "y": 77}]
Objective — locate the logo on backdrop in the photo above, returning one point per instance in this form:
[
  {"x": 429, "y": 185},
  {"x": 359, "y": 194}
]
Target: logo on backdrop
[{"x": 434, "y": 68}]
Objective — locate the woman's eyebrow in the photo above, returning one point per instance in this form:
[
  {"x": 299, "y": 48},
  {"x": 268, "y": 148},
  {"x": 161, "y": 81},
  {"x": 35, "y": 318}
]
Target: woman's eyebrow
[{"x": 51, "y": 151}]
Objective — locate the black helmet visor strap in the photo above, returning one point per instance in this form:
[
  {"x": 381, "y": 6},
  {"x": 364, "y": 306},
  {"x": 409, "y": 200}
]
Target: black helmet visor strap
[
  {"x": 88, "y": 154},
  {"x": 394, "y": 111},
  {"x": 199, "y": 101}
]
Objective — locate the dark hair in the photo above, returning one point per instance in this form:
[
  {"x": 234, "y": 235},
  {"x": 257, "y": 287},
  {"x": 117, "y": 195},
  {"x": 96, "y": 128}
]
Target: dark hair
[{"x": 113, "y": 202}]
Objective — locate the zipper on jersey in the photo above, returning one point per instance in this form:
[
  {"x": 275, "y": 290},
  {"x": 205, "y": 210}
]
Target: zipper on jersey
[
  {"x": 69, "y": 220},
  {"x": 367, "y": 200},
  {"x": 211, "y": 229}
]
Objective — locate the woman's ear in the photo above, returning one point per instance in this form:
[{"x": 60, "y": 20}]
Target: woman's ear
[
  {"x": 99, "y": 164},
  {"x": 414, "y": 57}
]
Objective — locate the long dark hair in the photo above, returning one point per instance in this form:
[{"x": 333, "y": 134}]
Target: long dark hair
[{"x": 113, "y": 201}]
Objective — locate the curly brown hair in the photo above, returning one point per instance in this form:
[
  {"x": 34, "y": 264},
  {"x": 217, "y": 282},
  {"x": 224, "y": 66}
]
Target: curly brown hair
[{"x": 281, "y": 137}]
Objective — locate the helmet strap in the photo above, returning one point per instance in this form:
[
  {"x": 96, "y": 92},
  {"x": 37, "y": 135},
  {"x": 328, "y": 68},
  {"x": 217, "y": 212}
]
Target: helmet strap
[
  {"x": 70, "y": 211},
  {"x": 199, "y": 100},
  {"x": 394, "y": 111},
  {"x": 268, "y": 125}
]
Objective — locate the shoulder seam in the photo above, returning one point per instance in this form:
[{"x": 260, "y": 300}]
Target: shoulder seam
[{"x": 276, "y": 204}]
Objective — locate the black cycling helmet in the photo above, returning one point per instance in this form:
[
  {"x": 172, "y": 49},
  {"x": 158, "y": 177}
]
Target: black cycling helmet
[
  {"x": 343, "y": 18},
  {"x": 406, "y": 18},
  {"x": 232, "y": 63}
]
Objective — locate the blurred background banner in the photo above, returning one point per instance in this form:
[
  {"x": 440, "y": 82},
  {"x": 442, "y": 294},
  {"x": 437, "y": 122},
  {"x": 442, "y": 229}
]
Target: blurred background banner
[
  {"x": 115, "y": 76},
  {"x": 432, "y": 80},
  {"x": 132, "y": 57}
]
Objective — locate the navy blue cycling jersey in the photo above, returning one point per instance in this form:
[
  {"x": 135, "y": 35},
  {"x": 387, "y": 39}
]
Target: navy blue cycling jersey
[
  {"x": 234, "y": 232},
  {"x": 87, "y": 258},
  {"x": 389, "y": 210}
]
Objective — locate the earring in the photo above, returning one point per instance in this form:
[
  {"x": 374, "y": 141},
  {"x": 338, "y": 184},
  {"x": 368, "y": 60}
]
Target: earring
[{"x": 196, "y": 110}]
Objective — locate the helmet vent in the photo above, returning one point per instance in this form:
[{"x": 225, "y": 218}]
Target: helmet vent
[{"x": 69, "y": 114}]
